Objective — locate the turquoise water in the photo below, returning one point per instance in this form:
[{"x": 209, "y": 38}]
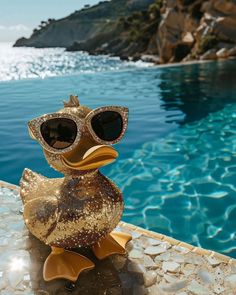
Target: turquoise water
[{"x": 177, "y": 163}]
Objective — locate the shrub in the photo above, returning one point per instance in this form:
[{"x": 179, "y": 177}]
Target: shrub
[
  {"x": 207, "y": 42},
  {"x": 137, "y": 15},
  {"x": 134, "y": 35},
  {"x": 154, "y": 9},
  {"x": 159, "y": 3}
]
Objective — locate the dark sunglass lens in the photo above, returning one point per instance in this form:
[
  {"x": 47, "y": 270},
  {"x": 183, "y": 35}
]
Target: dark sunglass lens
[
  {"x": 59, "y": 133},
  {"x": 107, "y": 125}
]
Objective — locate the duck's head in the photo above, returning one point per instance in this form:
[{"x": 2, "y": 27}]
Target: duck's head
[{"x": 77, "y": 139}]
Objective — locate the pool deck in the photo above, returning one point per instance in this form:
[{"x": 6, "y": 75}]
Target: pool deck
[{"x": 154, "y": 264}]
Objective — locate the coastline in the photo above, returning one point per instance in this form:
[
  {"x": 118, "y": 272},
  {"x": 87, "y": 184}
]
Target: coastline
[
  {"x": 160, "y": 32},
  {"x": 82, "y": 63}
]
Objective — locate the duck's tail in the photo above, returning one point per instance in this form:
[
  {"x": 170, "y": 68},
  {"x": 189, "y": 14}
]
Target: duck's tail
[{"x": 29, "y": 184}]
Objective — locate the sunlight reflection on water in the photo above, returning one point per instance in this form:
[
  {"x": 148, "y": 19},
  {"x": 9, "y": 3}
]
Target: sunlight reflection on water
[{"x": 22, "y": 62}]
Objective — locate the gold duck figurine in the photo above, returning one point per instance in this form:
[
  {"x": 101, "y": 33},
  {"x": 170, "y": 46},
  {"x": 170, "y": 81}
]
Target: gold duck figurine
[{"x": 83, "y": 208}]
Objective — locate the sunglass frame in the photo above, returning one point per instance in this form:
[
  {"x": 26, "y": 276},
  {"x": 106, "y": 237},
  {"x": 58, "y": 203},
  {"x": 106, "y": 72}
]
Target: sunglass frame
[
  {"x": 35, "y": 127},
  {"x": 123, "y": 111}
]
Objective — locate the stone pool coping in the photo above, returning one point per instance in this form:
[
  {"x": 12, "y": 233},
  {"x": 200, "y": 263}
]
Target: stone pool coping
[
  {"x": 155, "y": 264},
  {"x": 174, "y": 242}
]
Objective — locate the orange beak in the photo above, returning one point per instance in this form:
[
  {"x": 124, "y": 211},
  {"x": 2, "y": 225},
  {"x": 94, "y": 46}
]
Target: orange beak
[{"x": 87, "y": 156}]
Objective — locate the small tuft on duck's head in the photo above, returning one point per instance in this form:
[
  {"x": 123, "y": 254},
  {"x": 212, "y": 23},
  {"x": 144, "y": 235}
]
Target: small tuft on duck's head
[
  {"x": 74, "y": 107},
  {"x": 72, "y": 103}
]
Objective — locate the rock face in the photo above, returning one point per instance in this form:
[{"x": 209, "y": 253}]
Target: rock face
[
  {"x": 165, "y": 30},
  {"x": 210, "y": 54},
  {"x": 201, "y": 26},
  {"x": 171, "y": 31},
  {"x": 61, "y": 34}
]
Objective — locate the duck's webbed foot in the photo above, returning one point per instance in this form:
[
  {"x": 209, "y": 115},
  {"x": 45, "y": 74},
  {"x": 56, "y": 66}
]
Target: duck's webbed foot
[
  {"x": 114, "y": 243},
  {"x": 63, "y": 264}
]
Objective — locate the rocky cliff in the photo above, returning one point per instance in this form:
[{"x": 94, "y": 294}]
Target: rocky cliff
[
  {"x": 83, "y": 24},
  {"x": 162, "y": 31},
  {"x": 197, "y": 30}
]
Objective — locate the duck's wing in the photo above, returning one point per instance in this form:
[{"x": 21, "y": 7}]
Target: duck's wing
[
  {"x": 40, "y": 215},
  {"x": 34, "y": 185},
  {"x": 40, "y": 199}
]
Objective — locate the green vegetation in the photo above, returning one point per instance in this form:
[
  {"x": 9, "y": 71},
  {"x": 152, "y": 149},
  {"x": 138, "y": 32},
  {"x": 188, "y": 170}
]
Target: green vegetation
[
  {"x": 208, "y": 42},
  {"x": 141, "y": 25},
  {"x": 154, "y": 9},
  {"x": 129, "y": 34},
  {"x": 105, "y": 10},
  {"x": 43, "y": 25}
]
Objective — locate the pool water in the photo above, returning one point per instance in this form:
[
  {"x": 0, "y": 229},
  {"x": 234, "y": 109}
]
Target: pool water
[{"x": 177, "y": 163}]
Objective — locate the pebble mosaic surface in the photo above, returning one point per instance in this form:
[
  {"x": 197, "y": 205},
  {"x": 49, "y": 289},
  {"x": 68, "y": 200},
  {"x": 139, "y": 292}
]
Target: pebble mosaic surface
[{"x": 154, "y": 264}]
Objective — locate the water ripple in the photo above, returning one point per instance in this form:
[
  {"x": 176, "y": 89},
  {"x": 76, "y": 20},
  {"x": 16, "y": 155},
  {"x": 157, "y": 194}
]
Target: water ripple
[{"x": 185, "y": 182}]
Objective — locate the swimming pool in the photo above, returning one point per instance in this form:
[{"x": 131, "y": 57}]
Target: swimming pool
[{"x": 177, "y": 163}]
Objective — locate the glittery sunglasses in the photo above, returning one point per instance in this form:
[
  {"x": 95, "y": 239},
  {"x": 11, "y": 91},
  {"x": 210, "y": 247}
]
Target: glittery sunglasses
[{"x": 61, "y": 132}]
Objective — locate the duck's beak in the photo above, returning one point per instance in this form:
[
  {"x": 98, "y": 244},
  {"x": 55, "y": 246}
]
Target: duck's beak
[{"x": 87, "y": 155}]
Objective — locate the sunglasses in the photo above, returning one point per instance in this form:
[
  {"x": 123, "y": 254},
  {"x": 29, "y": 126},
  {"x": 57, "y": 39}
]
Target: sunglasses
[{"x": 61, "y": 132}]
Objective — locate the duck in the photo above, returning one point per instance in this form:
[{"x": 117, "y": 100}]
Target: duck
[{"x": 81, "y": 209}]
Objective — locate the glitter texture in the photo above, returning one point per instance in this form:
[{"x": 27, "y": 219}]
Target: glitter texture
[{"x": 84, "y": 206}]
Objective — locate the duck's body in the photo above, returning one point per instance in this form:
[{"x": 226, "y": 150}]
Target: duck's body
[
  {"x": 81, "y": 209},
  {"x": 70, "y": 212}
]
